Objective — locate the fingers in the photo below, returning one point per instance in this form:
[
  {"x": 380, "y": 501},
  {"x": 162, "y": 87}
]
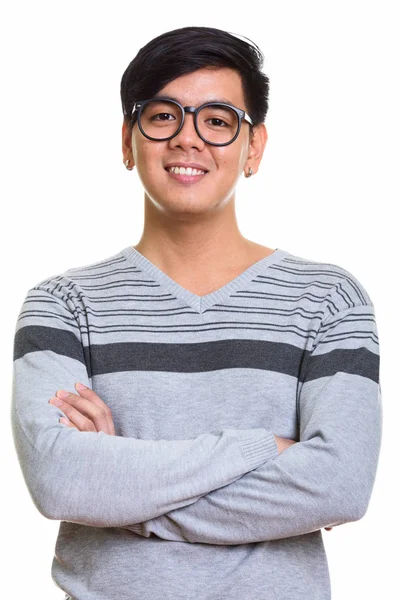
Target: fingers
[
  {"x": 91, "y": 395},
  {"x": 68, "y": 423},
  {"x": 84, "y": 413},
  {"x": 74, "y": 415}
]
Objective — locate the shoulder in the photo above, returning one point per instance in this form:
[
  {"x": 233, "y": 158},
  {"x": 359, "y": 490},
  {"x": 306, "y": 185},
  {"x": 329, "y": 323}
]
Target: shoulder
[
  {"x": 340, "y": 287},
  {"x": 72, "y": 280}
]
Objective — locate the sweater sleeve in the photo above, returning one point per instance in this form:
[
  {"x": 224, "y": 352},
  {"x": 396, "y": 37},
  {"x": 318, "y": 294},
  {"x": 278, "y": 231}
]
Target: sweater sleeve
[
  {"x": 327, "y": 477},
  {"x": 93, "y": 478}
]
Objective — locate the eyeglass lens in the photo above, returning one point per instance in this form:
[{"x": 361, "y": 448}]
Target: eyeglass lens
[{"x": 161, "y": 119}]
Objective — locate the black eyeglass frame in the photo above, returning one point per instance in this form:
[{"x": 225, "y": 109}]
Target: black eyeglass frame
[{"x": 140, "y": 104}]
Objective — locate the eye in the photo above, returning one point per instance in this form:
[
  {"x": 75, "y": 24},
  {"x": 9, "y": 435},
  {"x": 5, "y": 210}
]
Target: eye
[
  {"x": 161, "y": 115},
  {"x": 220, "y": 122}
]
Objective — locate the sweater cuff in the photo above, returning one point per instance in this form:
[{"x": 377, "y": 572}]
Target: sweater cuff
[{"x": 258, "y": 451}]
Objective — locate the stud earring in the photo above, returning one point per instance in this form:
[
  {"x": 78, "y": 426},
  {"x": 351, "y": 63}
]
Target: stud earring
[
  {"x": 127, "y": 165},
  {"x": 249, "y": 172}
]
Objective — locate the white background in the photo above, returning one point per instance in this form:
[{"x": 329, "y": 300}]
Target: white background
[{"x": 327, "y": 189}]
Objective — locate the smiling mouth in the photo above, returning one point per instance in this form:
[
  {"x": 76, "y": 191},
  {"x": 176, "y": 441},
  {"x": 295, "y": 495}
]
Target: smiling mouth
[
  {"x": 188, "y": 176},
  {"x": 186, "y": 171}
]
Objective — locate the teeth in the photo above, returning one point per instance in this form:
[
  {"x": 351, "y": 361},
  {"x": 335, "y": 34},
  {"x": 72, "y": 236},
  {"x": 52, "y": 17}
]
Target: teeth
[{"x": 185, "y": 171}]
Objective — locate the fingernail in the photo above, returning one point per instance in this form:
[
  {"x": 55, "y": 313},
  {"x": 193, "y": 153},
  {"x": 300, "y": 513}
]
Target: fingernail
[
  {"x": 80, "y": 386},
  {"x": 62, "y": 394},
  {"x": 55, "y": 401}
]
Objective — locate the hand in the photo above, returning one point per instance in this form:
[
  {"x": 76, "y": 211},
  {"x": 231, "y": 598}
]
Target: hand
[
  {"x": 283, "y": 443},
  {"x": 85, "y": 411}
]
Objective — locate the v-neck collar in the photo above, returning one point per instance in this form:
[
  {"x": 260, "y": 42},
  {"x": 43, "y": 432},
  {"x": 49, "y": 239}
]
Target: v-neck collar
[{"x": 201, "y": 303}]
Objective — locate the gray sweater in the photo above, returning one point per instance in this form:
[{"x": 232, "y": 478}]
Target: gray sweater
[{"x": 190, "y": 500}]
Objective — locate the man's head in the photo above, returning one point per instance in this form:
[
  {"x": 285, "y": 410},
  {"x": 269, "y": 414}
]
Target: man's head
[
  {"x": 188, "y": 49},
  {"x": 194, "y": 65}
]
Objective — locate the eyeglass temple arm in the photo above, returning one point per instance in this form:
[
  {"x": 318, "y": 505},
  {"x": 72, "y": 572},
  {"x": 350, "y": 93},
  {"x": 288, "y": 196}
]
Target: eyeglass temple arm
[
  {"x": 134, "y": 111},
  {"x": 247, "y": 118}
]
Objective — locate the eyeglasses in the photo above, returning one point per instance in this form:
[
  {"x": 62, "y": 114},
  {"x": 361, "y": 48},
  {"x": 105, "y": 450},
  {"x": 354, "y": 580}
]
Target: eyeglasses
[{"x": 216, "y": 123}]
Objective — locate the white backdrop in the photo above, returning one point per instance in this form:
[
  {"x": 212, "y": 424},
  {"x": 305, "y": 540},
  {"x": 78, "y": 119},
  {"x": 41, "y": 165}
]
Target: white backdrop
[{"x": 327, "y": 190}]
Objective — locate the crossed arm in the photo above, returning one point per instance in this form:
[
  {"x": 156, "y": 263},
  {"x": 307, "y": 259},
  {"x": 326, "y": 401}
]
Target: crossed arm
[
  {"x": 293, "y": 494},
  {"x": 324, "y": 479}
]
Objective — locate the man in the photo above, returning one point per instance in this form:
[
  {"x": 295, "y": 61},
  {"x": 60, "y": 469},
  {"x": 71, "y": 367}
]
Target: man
[{"x": 232, "y": 407}]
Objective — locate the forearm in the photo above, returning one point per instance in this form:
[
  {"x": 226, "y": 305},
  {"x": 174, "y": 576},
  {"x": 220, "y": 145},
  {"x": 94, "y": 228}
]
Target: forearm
[
  {"x": 97, "y": 479},
  {"x": 316, "y": 483},
  {"x": 131, "y": 480}
]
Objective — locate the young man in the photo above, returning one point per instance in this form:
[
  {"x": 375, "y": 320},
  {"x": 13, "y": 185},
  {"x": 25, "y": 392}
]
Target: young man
[{"x": 233, "y": 406}]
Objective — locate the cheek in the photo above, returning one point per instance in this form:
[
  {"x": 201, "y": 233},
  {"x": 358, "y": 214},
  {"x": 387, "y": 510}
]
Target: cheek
[
  {"x": 230, "y": 160},
  {"x": 151, "y": 177},
  {"x": 229, "y": 166},
  {"x": 149, "y": 165},
  {"x": 146, "y": 153}
]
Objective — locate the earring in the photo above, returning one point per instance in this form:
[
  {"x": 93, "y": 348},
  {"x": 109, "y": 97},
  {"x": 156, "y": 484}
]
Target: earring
[
  {"x": 127, "y": 163},
  {"x": 249, "y": 172}
]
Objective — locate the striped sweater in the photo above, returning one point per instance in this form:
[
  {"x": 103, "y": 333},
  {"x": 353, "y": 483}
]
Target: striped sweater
[{"x": 190, "y": 500}]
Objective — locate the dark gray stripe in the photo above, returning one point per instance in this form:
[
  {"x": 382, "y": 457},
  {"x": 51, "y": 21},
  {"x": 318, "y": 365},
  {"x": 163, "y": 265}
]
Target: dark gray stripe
[
  {"x": 199, "y": 357},
  {"x": 33, "y": 338},
  {"x": 355, "y": 361}
]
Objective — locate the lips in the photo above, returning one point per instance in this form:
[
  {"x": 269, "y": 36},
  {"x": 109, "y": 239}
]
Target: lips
[
  {"x": 188, "y": 171},
  {"x": 186, "y": 179},
  {"x": 186, "y": 165}
]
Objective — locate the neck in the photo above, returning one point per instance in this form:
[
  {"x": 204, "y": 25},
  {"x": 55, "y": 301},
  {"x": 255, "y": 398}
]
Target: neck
[{"x": 192, "y": 241}]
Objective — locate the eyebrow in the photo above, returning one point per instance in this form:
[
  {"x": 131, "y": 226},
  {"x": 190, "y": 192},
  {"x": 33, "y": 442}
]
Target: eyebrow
[{"x": 209, "y": 100}]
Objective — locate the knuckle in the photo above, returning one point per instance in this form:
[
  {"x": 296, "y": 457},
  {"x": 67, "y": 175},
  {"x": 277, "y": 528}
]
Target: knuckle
[
  {"x": 99, "y": 412},
  {"x": 71, "y": 399},
  {"x": 89, "y": 426}
]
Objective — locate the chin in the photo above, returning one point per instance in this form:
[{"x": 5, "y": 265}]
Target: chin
[{"x": 186, "y": 204}]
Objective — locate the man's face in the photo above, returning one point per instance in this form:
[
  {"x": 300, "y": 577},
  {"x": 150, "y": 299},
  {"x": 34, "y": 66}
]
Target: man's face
[{"x": 224, "y": 164}]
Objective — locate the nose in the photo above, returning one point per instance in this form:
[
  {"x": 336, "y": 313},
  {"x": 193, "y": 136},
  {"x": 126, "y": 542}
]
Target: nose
[{"x": 187, "y": 137}]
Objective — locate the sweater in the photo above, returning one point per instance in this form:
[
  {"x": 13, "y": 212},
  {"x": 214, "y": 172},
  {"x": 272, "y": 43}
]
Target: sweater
[{"x": 190, "y": 499}]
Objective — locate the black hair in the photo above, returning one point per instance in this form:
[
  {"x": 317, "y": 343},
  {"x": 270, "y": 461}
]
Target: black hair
[{"x": 187, "y": 49}]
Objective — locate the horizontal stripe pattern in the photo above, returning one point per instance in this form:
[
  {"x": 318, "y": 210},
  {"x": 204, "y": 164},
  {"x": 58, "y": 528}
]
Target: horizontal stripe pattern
[
  {"x": 199, "y": 357},
  {"x": 290, "y": 346},
  {"x": 115, "y": 317}
]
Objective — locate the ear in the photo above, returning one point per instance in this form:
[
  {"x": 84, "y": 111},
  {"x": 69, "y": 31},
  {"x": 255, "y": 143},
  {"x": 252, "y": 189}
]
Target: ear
[
  {"x": 257, "y": 145},
  {"x": 127, "y": 143}
]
